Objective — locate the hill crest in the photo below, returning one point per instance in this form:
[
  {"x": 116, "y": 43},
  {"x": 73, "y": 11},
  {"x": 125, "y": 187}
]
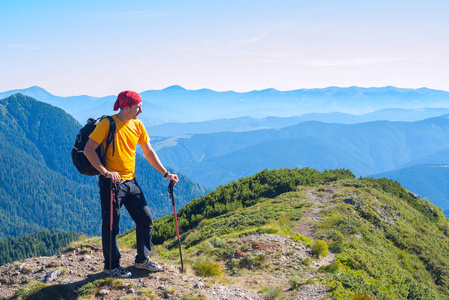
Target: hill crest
[{"x": 305, "y": 235}]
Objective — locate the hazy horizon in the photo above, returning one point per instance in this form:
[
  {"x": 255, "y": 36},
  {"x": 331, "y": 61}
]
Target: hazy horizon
[
  {"x": 101, "y": 48},
  {"x": 258, "y": 90}
]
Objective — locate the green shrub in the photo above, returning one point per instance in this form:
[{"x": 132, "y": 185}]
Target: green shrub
[
  {"x": 295, "y": 283},
  {"x": 333, "y": 267},
  {"x": 307, "y": 261},
  {"x": 355, "y": 283},
  {"x": 189, "y": 297},
  {"x": 29, "y": 289},
  {"x": 208, "y": 269},
  {"x": 297, "y": 237},
  {"x": 169, "y": 254},
  {"x": 319, "y": 248},
  {"x": 146, "y": 293},
  {"x": 268, "y": 229},
  {"x": 361, "y": 297},
  {"x": 252, "y": 261},
  {"x": 91, "y": 288},
  {"x": 337, "y": 247},
  {"x": 273, "y": 293},
  {"x": 218, "y": 243}
]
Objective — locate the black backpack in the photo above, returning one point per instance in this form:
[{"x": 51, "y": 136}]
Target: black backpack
[{"x": 80, "y": 161}]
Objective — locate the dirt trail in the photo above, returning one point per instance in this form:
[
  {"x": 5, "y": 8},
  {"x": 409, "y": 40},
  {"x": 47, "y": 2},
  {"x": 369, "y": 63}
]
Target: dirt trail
[{"x": 319, "y": 200}]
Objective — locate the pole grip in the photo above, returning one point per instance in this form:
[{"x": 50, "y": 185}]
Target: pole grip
[{"x": 170, "y": 190}]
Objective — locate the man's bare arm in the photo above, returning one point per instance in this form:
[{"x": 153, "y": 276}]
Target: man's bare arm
[{"x": 153, "y": 159}]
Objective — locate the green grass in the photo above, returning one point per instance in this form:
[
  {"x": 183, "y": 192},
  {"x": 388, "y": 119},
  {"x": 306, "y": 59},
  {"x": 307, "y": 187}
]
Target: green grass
[
  {"x": 84, "y": 243},
  {"x": 297, "y": 237},
  {"x": 319, "y": 248},
  {"x": 39, "y": 291},
  {"x": 361, "y": 297},
  {"x": 207, "y": 268},
  {"x": 295, "y": 283},
  {"x": 147, "y": 293},
  {"x": 258, "y": 217},
  {"x": 252, "y": 261},
  {"x": 272, "y": 293},
  {"x": 89, "y": 289},
  {"x": 189, "y": 297},
  {"x": 29, "y": 289},
  {"x": 334, "y": 267}
]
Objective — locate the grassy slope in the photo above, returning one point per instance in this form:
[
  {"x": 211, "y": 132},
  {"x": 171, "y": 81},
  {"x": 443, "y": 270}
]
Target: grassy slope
[
  {"x": 387, "y": 247},
  {"x": 387, "y": 244},
  {"x": 383, "y": 242}
]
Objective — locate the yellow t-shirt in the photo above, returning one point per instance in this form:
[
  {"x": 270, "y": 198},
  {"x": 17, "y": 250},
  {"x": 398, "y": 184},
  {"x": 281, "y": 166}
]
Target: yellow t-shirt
[{"x": 127, "y": 136}]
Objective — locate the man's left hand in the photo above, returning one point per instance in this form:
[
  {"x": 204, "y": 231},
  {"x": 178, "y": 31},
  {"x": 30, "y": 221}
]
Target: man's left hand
[{"x": 173, "y": 177}]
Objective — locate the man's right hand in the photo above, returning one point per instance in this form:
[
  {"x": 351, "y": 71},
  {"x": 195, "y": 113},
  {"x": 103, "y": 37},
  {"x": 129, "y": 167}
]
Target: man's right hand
[{"x": 114, "y": 176}]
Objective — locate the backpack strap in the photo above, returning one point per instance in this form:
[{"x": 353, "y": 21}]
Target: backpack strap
[{"x": 111, "y": 135}]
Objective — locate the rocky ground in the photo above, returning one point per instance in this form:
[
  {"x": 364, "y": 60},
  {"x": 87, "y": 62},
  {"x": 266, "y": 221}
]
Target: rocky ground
[{"x": 79, "y": 272}]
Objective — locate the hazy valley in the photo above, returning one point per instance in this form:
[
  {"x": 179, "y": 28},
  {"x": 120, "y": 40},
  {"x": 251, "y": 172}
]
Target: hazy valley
[{"x": 214, "y": 141}]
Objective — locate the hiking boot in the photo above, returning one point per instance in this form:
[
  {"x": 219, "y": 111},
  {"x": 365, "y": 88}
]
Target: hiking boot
[
  {"x": 118, "y": 272},
  {"x": 148, "y": 265}
]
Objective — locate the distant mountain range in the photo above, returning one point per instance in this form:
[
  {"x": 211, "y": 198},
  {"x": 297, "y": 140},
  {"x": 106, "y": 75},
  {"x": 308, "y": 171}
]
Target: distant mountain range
[
  {"x": 250, "y": 124},
  {"x": 365, "y": 148},
  {"x": 176, "y": 104},
  {"x": 217, "y": 137},
  {"x": 40, "y": 186}
]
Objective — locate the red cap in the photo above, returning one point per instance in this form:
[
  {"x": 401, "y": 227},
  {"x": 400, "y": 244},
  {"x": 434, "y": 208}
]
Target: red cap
[{"x": 127, "y": 98}]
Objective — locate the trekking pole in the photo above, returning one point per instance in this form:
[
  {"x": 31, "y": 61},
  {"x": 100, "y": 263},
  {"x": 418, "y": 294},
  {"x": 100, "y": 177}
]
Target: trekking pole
[
  {"x": 170, "y": 190},
  {"x": 110, "y": 227}
]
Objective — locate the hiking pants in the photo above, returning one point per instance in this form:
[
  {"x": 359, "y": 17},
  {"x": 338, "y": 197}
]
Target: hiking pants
[{"x": 127, "y": 193}]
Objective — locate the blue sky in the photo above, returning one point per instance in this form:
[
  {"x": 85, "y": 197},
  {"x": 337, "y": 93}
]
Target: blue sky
[{"x": 99, "y": 48}]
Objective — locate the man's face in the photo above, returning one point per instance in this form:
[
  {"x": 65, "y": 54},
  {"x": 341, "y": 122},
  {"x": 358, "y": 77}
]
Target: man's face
[{"x": 135, "y": 110}]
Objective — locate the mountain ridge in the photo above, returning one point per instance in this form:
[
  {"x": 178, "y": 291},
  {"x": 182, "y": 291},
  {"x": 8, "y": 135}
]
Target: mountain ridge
[
  {"x": 290, "y": 233},
  {"x": 246, "y": 123},
  {"x": 382, "y": 145}
]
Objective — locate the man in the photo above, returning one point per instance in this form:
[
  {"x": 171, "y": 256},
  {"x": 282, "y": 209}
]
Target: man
[{"x": 119, "y": 168}]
